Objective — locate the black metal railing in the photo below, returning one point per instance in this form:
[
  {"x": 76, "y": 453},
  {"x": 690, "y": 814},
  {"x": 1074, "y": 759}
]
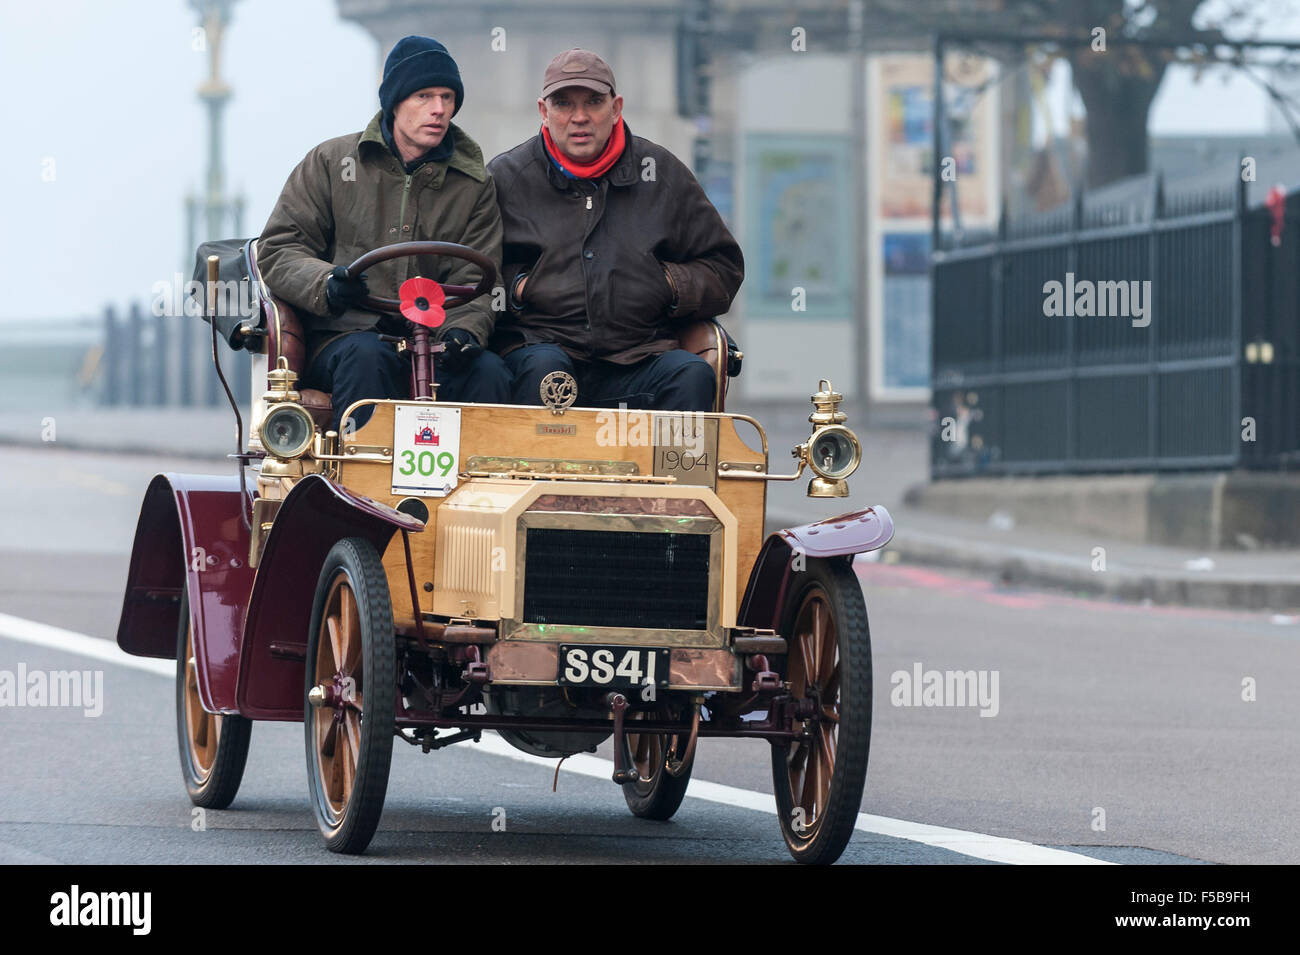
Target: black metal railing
[{"x": 1197, "y": 370}]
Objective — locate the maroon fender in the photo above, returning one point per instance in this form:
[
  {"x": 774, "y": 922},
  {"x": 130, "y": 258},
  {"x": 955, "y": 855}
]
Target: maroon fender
[
  {"x": 315, "y": 515},
  {"x": 190, "y": 534},
  {"x": 769, "y": 581}
]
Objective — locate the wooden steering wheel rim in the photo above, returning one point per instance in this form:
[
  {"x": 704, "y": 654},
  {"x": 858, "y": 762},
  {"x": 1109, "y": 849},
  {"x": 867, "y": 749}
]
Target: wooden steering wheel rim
[{"x": 456, "y": 294}]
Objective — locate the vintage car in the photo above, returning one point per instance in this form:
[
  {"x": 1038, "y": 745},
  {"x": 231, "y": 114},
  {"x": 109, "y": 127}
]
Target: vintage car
[{"x": 559, "y": 574}]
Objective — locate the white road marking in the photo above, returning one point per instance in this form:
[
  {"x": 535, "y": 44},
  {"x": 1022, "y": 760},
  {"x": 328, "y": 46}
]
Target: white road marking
[
  {"x": 56, "y": 638},
  {"x": 978, "y": 845},
  {"x": 974, "y": 844}
]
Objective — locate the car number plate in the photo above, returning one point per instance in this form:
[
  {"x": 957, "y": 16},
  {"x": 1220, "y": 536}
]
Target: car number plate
[
  {"x": 426, "y": 450},
  {"x": 590, "y": 664}
]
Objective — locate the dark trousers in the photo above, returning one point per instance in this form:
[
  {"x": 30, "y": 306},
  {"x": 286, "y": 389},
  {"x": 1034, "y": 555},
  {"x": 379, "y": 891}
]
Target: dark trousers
[
  {"x": 676, "y": 380},
  {"x": 359, "y": 365}
]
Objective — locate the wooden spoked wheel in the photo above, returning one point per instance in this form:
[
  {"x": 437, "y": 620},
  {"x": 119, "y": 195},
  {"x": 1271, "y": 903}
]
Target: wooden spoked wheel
[
  {"x": 658, "y": 794},
  {"x": 815, "y": 674},
  {"x": 819, "y": 777},
  {"x": 339, "y": 666},
  {"x": 351, "y": 695},
  {"x": 213, "y": 746},
  {"x": 201, "y": 727}
]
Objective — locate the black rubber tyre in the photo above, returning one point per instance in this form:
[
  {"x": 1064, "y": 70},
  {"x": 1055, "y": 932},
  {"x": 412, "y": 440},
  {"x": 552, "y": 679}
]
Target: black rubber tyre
[
  {"x": 825, "y": 622},
  {"x": 662, "y": 794},
  {"x": 350, "y": 744},
  {"x": 213, "y": 746}
]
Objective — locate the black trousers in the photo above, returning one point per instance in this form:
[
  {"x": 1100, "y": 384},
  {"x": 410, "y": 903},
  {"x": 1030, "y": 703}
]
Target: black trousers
[
  {"x": 360, "y": 365},
  {"x": 676, "y": 380}
]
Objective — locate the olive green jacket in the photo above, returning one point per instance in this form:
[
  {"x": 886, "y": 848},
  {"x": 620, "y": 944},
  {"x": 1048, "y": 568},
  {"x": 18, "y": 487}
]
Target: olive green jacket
[{"x": 350, "y": 195}]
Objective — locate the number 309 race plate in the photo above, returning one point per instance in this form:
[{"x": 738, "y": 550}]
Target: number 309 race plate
[
  {"x": 426, "y": 450},
  {"x": 588, "y": 664}
]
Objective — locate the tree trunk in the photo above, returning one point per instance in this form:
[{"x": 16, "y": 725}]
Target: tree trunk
[{"x": 1118, "y": 100}]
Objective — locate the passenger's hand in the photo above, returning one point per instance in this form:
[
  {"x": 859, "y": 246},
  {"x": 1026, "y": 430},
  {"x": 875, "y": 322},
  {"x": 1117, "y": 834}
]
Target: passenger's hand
[
  {"x": 672, "y": 286},
  {"x": 515, "y": 300},
  {"x": 342, "y": 293},
  {"x": 462, "y": 348}
]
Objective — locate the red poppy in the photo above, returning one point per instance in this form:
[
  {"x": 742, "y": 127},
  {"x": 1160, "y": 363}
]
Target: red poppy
[{"x": 422, "y": 301}]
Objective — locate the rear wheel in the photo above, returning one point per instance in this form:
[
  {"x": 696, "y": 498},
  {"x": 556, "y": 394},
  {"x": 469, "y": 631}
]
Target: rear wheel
[
  {"x": 351, "y": 691},
  {"x": 213, "y": 746},
  {"x": 662, "y": 792},
  {"x": 818, "y": 779}
]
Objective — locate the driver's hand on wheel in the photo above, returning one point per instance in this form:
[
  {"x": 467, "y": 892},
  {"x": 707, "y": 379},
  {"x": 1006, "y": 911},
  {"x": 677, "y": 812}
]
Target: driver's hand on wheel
[
  {"x": 342, "y": 293},
  {"x": 462, "y": 348}
]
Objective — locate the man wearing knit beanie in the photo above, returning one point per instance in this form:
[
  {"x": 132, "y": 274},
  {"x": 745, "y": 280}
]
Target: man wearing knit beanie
[{"x": 411, "y": 175}]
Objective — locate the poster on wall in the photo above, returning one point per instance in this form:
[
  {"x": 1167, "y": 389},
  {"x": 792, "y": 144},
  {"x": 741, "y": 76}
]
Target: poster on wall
[
  {"x": 905, "y": 141},
  {"x": 798, "y": 226},
  {"x": 906, "y": 314},
  {"x": 900, "y": 143}
]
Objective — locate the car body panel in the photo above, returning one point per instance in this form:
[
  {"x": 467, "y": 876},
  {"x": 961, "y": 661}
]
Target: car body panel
[
  {"x": 191, "y": 534},
  {"x": 314, "y": 516},
  {"x": 845, "y": 535}
]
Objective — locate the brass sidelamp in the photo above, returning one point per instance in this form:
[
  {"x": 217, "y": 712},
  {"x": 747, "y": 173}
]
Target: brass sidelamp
[{"x": 833, "y": 452}]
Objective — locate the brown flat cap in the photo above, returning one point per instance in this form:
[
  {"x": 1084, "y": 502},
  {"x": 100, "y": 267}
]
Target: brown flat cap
[{"x": 578, "y": 68}]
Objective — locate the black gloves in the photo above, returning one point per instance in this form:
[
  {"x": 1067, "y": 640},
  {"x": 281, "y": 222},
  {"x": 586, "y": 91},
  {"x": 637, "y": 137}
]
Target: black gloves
[
  {"x": 342, "y": 293},
  {"x": 462, "y": 348}
]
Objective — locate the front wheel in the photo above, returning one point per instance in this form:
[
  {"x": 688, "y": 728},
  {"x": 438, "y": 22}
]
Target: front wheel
[
  {"x": 213, "y": 746},
  {"x": 818, "y": 778},
  {"x": 351, "y": 690},
  {"x": 659, "y": 791}
]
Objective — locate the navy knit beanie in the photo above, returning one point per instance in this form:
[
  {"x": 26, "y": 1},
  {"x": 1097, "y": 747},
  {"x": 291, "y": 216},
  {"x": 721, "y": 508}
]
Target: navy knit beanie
[{"x": 418, "y": 62}]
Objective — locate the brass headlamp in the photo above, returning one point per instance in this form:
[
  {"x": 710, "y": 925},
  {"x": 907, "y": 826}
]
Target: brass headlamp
[{"x": 287, "y": 429}]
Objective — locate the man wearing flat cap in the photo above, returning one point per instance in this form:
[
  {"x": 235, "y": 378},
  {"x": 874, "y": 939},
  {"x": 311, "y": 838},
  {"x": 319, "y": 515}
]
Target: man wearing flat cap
[
  {"x": 610, "y": 247},
  {"x": 412, "y": 175}
]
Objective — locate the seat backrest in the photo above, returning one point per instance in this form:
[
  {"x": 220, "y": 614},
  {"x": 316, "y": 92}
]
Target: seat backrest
[
  {"x": 284, "y": 332},
  {"x": 706, "y": 339}
]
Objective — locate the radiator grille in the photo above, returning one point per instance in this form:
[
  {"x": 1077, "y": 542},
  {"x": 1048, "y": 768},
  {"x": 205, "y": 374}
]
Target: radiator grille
[{"x": 616, "y": 579}]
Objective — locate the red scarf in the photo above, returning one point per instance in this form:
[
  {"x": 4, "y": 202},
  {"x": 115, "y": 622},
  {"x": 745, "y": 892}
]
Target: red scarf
[{"x": 598, "y": 166}]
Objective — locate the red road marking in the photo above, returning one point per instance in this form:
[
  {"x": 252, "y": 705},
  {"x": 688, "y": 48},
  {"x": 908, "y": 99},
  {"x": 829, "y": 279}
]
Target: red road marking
[{"x": 986, "y": 591}]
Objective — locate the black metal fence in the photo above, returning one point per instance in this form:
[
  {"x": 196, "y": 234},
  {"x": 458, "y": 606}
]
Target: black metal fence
[{"x": 1170, "y": 345}]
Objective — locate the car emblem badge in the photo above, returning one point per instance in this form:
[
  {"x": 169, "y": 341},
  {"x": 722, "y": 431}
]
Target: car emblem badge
[{"x": 559, "y": 390}]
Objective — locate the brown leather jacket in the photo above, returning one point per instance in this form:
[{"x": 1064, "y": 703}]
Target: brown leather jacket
[
  {"x": 595, "y": 253},
  {"x": 350, "y": 195}
]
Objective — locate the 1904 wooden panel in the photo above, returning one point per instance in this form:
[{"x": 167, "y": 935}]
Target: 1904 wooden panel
[{"x": 516, "y": 431}]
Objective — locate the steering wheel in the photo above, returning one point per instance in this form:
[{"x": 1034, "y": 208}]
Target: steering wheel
[{"x": 456, "y": 294}]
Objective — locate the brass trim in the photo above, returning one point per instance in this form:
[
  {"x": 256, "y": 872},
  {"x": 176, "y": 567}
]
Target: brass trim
[
  {"x": 264, "y": 511},
  {"x": 373, "y": 458},
  {"x": 361, "y": 452},
  {"x": 620, "y": 636},
  {"x": 582, "y": 467},
  {"x": 757, "y": 426},
  {"x": 471, "y": 404},
  {"x": 586, "y": 478},
  {"x": 663, "y": 421},
  {"x": 762, "y": 475}
]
